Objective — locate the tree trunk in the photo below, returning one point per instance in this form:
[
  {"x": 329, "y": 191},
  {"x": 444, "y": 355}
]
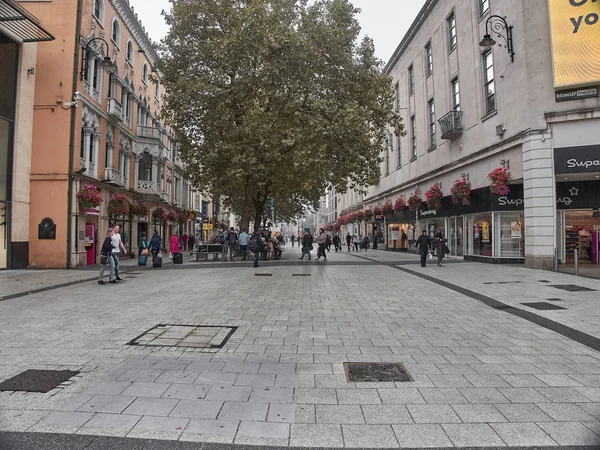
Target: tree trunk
[{"x": 247, "y": 212}]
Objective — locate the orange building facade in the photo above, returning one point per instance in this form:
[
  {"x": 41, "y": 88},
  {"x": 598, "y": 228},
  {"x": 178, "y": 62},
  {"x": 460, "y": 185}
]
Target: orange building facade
[{"x": 97, "y": 126}]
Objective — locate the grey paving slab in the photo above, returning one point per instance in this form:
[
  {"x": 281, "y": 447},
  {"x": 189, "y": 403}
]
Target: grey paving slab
[
  {"x": 472, "y": 434},
  {"x": 522, "y": 434},
  {"x": 358, "y": 397},
  {"x": 148, "y": 375},
  {"x": 386, "y": 414},
  {"x": 218, "y": 378},
  {"x": 272, "y": 395},
  {"x": 286, "y": 381},
  {"x": 107, "y": 404},
  {"x": 566, "y": 412},
  {"x": 17, "y": 420},
  {"x": 523, "y": 412},
  {"x": 570, "y": 433},
  {"x": 562, "y": 394},
  {"x": 67, "y": 419},
  {"x": 442, "y": 395},
  {"x": 401, "y": 396},
  {"x": 305, "y": 414},
  {"x": 422, "y": 436},
  {"x": 523, "y": 395},
  {"x": 264, "y": 430},
  {"x": 339, "y": 414},
  {"x": 202, "y": 430},
  {"x": 197, "y": 409},
  {"x": 478, "y": 413},
  {"x": 255, "y": 380},
  {"x": 145, "y": 389},
  {"x": 590, "y": 393},
  {"x": 109, "y": 424},
  {"x": 169, "y": 428},
  {"x": 187, "y": 391},
  {"x": 283, "y": 413},
  {"x": 229, "y": 393},
  {"x": 316, "y": 435},
  {"x": 151, "y": 406},
  {"x": 255, "y": 412},
  {"x": 433, "y": 414},
  {"x": 316, "y": 396},
  {"x": 109, "y": 388},
  {"x": 483, "y": 395},
  {"x": 241, "y": 367},
  {"x": 178, "y": 376},
  {"x": 365, "y": 436}
]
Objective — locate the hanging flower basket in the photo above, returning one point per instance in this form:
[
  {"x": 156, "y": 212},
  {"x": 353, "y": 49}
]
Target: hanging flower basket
[
  {"x": 182, "y": 216},
  {"x": 461, "y": 192},
  {"x": 387, "y": 207},
  {"x": 159, "y": 213},
  {"x": 368, "y": 213},
  {"x": 499, "y": 181},
  {"x": 89, "y": 197},
  {"x": 359, "y": 215},
  {"x": 172, "y": 216},
  {"x": 119, "y": 205},
  {"x": 434, "y": 197},
  {"x": 415, "y": 200},
  {"x": 139, "y": 208},
  {"x": 400, "y": 203},
  {"x": 378, "y": 209}
]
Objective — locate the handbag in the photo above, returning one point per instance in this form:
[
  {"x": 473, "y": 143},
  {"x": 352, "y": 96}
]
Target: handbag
[
  {"x": 103, "y": 259},
  {"x": 145, "y": 252}
]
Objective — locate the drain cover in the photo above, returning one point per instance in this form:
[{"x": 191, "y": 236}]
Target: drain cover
[
  {"x": 572, "y": 288},
  {"x": 263, "y": 274},
  {"x": 301, "y": 275},
  {"x": 190, "y": 336},
  {"x": 37, "y": 380},
  {"x": 375, "y": 372},
  {"x": 542, "y": 306}
]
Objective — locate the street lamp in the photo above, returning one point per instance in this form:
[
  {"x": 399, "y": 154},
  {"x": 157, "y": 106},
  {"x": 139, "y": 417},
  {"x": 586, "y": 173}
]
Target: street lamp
[
  {"x": 498, "y": 25},
  {"x": 85, "y": 65}
]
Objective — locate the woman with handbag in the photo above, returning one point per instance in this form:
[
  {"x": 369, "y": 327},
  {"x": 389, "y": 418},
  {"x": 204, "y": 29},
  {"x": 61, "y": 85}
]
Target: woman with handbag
[
  {"x": 144, "y": 245},
  {"x": 106, "y": 258}
]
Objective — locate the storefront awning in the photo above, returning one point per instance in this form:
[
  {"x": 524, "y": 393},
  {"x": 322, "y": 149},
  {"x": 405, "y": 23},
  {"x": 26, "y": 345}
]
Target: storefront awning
[{"x": 18, "y": 22}]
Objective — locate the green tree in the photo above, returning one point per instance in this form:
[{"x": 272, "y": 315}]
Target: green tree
[{"x": 274, "y": 98}]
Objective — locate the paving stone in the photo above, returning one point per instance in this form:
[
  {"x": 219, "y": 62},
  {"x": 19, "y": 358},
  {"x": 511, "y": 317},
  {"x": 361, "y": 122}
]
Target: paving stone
[
  {"x": 259, "y": 380},
  {"x": 148, "y": 375},
  {"x": 110, "y": 424},
  {"x": 206, "y": 366},
  {"x": 369, "y": 436},
  {"x": 570, "y": 433},
  {"x": 523, "y": 395},
  {"x": 523, "y": 412},
  {"x": 421, "y": 436},
  {"x": 178, "y": 376},
  {"x": 358, "y": 397},
  {"x": 478, "y": 413},
  {"x": 316, "y": 396},
  {"x": 187, "y": 391},
  {"x": 339, "y": 414},
  {"x": 169, "y": 428},
  {"x": 107, "y": 404},
  {"x": 401, "y": 396},
  {"x": 18, "y": 420},
  {"x": 143, "y": 389},
  {"x": 151, "y": 406},
  {"x": 75, "y": 420},
  {"x": 483, "y": 395},
  {"x": 334, "y": 382},
  {"x": 472, "y": 434},
  {"x": 220, "y": 379},
  {"x": 453, "y": 381},
  {"x": 108, "y": 388},
  {"x": 562, "y": 394},
  {"x": 432, "y": 414},
  {"x": 283, "y": 413},
  {"x": 197, "y": 409},
  {"x": 442, "y": 395},
  {"x": 386, "y": 414},
  {"x": 256, "y": 412},
  {"x": 566, "y": 412},
  {"x": 590, "y": 393},
  {"x": 229, "y": 393},
  {"x": 264, "y": 430},
  {"x": 272, "y": 395},
  {"x": 286, "y": 381},
  {"x": 305, "y": 414},
  {"x": 72, "y": 405},
  {"x": 316, "y": 435},
  {"x": 491, "y": 381},
  {"x": 202, "y": 430},
  {"x": 241, "y": 367},
  {"x": 522, "y": 434},
  {"x": 523, "y": 381}
]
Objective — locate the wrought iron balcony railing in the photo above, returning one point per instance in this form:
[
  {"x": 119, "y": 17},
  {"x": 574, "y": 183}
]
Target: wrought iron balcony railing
[{"x": 451, "y": 125}]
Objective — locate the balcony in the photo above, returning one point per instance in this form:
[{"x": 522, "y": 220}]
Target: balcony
[
  {"x": 115, "y": 110},
  {"x": 165, "y": 197},
  {"x": 451, "y": 125},
  {"x": 148, "y": 133},
  {"x": 114, "y": 176},
  {"x": 147, "y": 187}
]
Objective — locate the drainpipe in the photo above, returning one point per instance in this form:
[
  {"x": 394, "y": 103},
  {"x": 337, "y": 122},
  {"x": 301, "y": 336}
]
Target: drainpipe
[{"x": 72, "y": 136}]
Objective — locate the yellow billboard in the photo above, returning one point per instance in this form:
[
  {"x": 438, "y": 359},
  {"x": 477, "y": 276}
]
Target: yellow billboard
[{"x": 575, "y": 30}]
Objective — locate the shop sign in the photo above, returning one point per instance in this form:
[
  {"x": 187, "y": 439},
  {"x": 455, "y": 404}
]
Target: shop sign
[
  {"x": 578, "y": 195},
  {"x": 584, "y": 159},
  {"x": 92, "y": 211},
  {"x": 428, "y": 213},
  {"x": 575, "y": 32},
  {"x": 576, "y": 94},
  {"x": 506, "y": 201}
]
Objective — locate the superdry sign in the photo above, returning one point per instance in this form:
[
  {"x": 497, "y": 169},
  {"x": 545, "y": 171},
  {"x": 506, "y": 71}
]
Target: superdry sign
[{"x": 585, "y": 159}]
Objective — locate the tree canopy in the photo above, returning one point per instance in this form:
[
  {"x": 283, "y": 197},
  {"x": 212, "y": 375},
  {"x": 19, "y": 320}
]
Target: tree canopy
[{"x": 274, "y": 99}]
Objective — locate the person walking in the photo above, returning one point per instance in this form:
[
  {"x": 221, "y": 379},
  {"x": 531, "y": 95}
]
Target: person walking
[
  {"x": 174, "y": 246},
  {"x": 116, "y": 251},
  {"x": 328, "y": 243},
  {"x": 222, "y": 239},
  {"x": 155, "y": 245},
  {"x": 232, "y": 240},
  {"x": 106, "y": 258},
  {"x": 403, "y": 239},
  {"x": 184, "y": 240},
  {"x": 321, "y": 242},
  {"x": 256, "y": 246},
  {"x": 191, "y": 242},
  {"x": 424, "y": 245},
  {"x": 299, "y": 239},
  {"x": 440, "y": 247},
  {"x": 143, "y": 250},
  {"x": 307, "y": 245},
  {"x": 244, "y": 239},
  {"x": 337, "y": 243},
  {"x": 366, "y": 243},
  {"x": 348, "y": 240},
  {"x": 293, "y": 239}
]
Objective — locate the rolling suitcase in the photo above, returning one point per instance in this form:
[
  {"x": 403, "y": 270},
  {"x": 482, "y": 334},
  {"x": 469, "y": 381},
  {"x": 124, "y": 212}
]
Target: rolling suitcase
[
  {"x": 157, "y": 262},
  {"x": 177, "y": 258},
  {"x": 142, "y": 260}
]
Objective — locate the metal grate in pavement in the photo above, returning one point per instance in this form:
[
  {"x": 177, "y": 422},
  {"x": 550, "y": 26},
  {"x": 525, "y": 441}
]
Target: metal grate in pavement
[
  {"x": 209, "y": 337},
  {"x": 37, "y": 380},
  {"x": 376, "y": 372},
  {"x": 263, "y": 274},
  {"x": 572, "y": 288},
  {"x": 542, "y": 306}
]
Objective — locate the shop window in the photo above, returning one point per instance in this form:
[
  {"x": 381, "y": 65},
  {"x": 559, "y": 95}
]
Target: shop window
[
  {"x": 125, "y": 223},
  {"x": 480, "y": 235},
  {"x": 510, "y": 235}
]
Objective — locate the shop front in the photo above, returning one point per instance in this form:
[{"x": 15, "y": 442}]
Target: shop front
[
  {"x": 124, "y": 222},
  {"x": 400, "y": 231}
]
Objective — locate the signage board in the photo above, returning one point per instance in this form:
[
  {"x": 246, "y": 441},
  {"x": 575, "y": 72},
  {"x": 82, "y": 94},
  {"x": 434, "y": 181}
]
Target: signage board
[
  {"x": 576, "y": 94},
  {"x": 575, "y": 33},
  {"x": 584, "y": 159}
]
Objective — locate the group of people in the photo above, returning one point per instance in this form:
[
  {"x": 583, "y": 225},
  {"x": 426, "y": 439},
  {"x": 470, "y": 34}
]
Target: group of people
[
  {"x": 242, "y": 244},
  {"x": 439, "y": 246},
  {"x": 110, "y": 255}
]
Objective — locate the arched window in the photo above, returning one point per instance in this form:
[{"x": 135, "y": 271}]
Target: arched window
[
  {"x": 130, "y": 52},
  {"x": 157, "y": 90},
  {"x": 116, "y": 32},
  {"x": 145, "y": 167},
  {"x": 145, "y": 74},
  {"x": 99, "y": 10}
]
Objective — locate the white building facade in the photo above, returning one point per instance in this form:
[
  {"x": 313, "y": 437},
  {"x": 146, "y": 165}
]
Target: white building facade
[{"x": 469, "y": 110}]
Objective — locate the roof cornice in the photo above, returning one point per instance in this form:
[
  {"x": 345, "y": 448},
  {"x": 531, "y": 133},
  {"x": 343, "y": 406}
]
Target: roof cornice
[
  {"x": 136, "y": 28},
  {"x": 410, "y": 34}
]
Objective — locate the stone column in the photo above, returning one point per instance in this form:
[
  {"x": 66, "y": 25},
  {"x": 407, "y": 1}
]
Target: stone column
[
  {"x": 540, "y": 201},
  {"x": 87, "y": 136},
  {"x": 155, "y": 173},
  {"x": 95, "y": 152},
  {"x": 137, "y": 171}
]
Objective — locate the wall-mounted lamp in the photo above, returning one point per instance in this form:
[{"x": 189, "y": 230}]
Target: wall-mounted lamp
[
  {"x": 499, "y": 26},
  {"x": 85, "y": 65},
  {"x": 31, "y": 71}
]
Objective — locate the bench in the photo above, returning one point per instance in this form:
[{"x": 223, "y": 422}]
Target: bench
[{"x": 208, "y": 249}]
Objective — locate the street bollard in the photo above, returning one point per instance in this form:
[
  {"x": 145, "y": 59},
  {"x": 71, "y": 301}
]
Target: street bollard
[{"x": 576, "y": 255}]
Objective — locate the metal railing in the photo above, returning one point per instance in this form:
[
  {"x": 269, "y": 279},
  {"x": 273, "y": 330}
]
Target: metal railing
[
  {"x": 147, "y": 187},
  {"x": 114, "y": 176},
  {"x": 115, "y": 109},
  {"x": 451, "y": 125},
  {"x": 148, "y": 132}
]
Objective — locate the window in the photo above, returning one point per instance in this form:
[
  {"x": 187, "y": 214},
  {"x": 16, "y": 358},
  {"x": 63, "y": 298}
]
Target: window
[
  {"x": 411, "y": 80},
  {"x": 99, "y": 10},
  {"x": 455, "y": 95},
  {"x": 145, "y": 167},
  {"x": 157, "y": 90},
  {"x": 488, "y": 78},
  {"x": 484, "y": 6},
  {"x": 397, "y": 88},
  {"x": 431, "y": 109},
  {"x": 145, "y": 74},
  {"x": 116, "y": 32},
  {"x": 96, "y": 74},
  {"x": 399, "y": 146},
  {"x": 413, "y": 137},
  {"x": 452, "y": 31},
  {"x": 111, "y": 86},
  {"x": 130, "y": 52},
  {"x": 388, "y": 144},
  {"x": 429, "y": 56}
]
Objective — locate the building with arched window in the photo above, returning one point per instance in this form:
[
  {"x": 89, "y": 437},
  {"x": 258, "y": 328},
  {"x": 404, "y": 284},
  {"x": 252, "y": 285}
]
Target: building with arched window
[{"x": 120, "y": 145}]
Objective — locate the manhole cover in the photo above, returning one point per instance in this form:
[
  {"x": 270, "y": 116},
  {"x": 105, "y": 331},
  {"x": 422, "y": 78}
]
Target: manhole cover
[
  {"x": 572, "y": 288},
  {"x": 542, "y": 306},
  {"x": 37, "y": 380},
  {"x": 301, "y": 275},
  {"x": 376, "y": 372},
  {"x": 263, "y": 274},
  {"x": 190, "y": 336}
]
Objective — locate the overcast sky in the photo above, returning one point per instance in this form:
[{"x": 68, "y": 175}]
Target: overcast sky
[{"x": 385, "y": 21}]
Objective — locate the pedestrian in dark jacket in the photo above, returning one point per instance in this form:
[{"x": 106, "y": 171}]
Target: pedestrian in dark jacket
[
  {"x": 348, "y": 240},
  {"x": 307, "y": 245},
  {"x": 337, "y": 243},
  {"x": 440, "y": 247},
  {"x": 106, "y": 258},
  {"x": 328, "y": 243},
  {"x": 424, "y": 245},
  {"x": 155, "y": 245}
]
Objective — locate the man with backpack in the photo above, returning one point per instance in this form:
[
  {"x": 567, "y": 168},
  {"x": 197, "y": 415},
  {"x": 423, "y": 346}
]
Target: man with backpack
[
  {"x": 256, "y": 246},
  {"x": 222, "y": 239},
  {"x": 232, "y": 239}
]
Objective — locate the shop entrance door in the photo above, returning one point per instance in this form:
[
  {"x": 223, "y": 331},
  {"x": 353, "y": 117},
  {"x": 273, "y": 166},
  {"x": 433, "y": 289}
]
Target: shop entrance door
[
  {"x": 90, "y": 243},
  {"x": 455, "y": 239}
]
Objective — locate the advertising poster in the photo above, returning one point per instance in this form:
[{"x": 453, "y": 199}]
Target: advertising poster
[
  {"x": 575, "y": 32},
  {"x": 485, "y": 231},
  {"x": 394, "y": 233},
  {"x": 515, "y": 230}
]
